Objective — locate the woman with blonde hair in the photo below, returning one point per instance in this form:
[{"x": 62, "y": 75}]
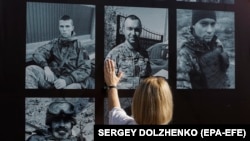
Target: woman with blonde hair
[{"x": 152, "y": 102}]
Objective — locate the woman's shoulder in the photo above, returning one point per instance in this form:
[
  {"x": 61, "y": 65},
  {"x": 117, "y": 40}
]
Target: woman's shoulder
[{"x": 118, "y": 116}]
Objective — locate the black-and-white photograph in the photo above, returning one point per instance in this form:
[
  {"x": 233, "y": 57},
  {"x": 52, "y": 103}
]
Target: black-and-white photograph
[
  {"x": 60, "y": 46},
  {"x": 125, "y": 104},
  {"x": 59, "y": 119},
  {"x": 210, "y": 1},
  {"x": 136, "y": 39},
  {"x": 205, "y": 49}
]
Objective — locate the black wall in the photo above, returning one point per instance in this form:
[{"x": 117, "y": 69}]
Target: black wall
[{"x": 191, "y": 106}]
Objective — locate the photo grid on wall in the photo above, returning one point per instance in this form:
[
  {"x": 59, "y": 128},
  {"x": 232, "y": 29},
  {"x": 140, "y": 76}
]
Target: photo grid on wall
[{"x": 61, "y": 47}]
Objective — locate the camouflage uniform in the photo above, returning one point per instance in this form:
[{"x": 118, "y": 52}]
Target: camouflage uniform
[
  {"x": 63, "y": 110},
  {"x": 201, "y": 65},
  {"x": 67, "y": 59},
  {"x": 133, "y": 63},
  {"x": 47, "y": 137}
]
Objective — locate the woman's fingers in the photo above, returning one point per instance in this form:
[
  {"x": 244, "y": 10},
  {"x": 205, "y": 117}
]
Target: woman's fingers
[{"x": 109, "y": 65}]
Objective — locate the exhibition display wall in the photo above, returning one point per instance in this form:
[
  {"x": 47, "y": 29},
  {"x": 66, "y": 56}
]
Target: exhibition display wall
[{"x": 98, "y": 24}]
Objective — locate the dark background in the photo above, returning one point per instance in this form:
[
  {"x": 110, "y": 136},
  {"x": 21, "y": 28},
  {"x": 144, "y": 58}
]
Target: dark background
[{"x": 190, "y": 106}]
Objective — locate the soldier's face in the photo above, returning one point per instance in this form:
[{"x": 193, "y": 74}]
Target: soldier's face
[
  {"x": 204, "y": 29},
  {"x": 61, "y": 128},
  {"x": 132, "y": 30},
  {"x": 66, "y": 27}
]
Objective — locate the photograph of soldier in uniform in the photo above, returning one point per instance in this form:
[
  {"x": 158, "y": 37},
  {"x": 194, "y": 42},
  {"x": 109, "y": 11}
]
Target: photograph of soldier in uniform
[
  {"x": 205, "y": 49},
  {"x": 60, "y": 46},
  {"x": 211, "y": 1},
  {"x": 64, "y": 119},
  {"x": 136, "y": 39}
]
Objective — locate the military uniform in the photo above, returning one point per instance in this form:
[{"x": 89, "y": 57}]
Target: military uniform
[
  {"x": 67, "y": 59},
  {"x": 44, "y": 137},
  {"x": 201, "y": 65},
  {"x": 134, "y": 63}
]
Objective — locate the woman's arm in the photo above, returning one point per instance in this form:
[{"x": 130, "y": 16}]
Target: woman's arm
[
  {"x": 113, "y": 98},
  {"x": 112, "y": 80}
]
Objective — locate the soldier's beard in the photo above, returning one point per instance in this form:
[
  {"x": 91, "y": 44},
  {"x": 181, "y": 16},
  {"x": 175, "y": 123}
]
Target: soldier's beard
[{"x": 61, "y": 133}]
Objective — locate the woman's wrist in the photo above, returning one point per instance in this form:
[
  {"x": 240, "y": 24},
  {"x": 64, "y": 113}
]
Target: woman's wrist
[{"x": 111, "y": 87}]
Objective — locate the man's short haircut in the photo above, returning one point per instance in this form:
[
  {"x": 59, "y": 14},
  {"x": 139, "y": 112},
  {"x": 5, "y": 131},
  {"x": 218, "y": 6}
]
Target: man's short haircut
[
  {"x": 132, "y": 17},
  {"x": 65, "y": 17}
]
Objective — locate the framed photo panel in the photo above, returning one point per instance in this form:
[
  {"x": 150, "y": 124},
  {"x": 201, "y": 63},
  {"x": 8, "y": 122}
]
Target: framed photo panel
[
  {"x": 60, "y": 46},
  {"x": 205, "y": 49},
  {"x": 59, "y": 118},
  {"x": 136, "y": 38}
]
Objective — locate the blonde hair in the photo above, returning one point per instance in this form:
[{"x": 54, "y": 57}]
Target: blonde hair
[{"x": 152, "y": 102}]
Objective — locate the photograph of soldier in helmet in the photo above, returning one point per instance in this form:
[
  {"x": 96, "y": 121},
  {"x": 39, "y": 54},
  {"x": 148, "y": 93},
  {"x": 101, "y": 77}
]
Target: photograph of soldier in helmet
[
  {"x": 205, "y": 50},
  {"x": 61, "y": 122}
]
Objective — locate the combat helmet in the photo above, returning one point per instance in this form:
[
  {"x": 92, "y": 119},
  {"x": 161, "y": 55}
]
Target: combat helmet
[{"x": 60, "y": 109}]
